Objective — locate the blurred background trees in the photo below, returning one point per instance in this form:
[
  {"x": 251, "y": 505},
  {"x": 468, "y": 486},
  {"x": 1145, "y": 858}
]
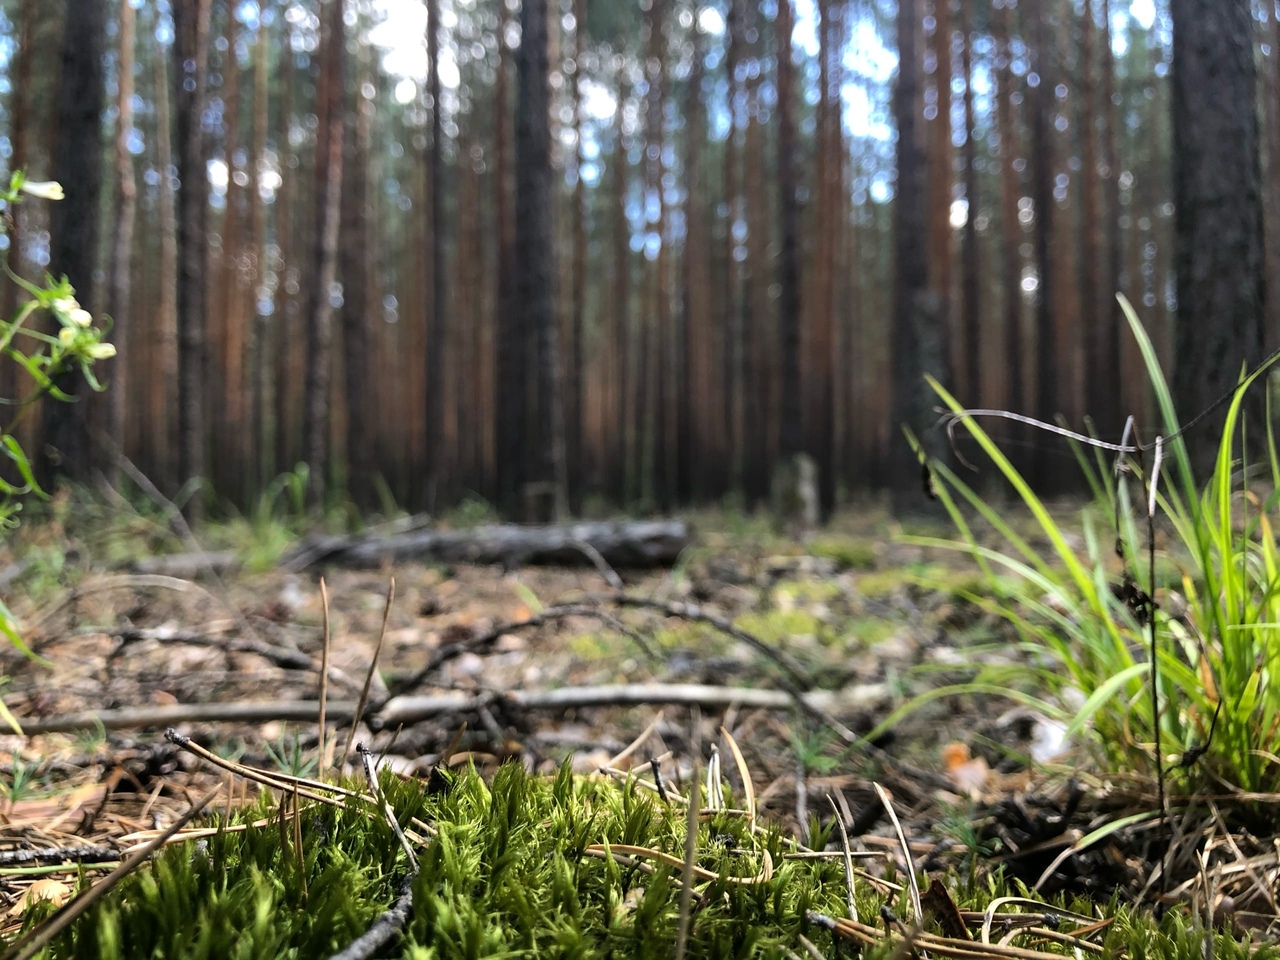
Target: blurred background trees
[{"x": 639, "y": 262}]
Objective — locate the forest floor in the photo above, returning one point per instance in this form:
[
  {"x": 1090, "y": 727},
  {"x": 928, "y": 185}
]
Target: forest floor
[{"x": 865, "y": 617}]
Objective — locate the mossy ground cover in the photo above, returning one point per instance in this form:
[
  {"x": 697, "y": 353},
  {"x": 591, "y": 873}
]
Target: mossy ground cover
[{"x": 563, "y": 866}]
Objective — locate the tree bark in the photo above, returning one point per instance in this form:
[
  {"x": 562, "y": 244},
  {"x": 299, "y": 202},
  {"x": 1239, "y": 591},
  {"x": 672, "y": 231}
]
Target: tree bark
[
  {"x": 915, "y": 347},
  {"x": 1217, "y": 195},
  {"x": 971, "y": 295},
  {"x": 328, "y": 181},
  {"x": 535, "y": 266},
  {"x": 73, "y": 222},
  {"x": 119, "y": 304},
  {"x": 438, "y": 323},
  {"x": 791, "y": 426},
  {"x": 190, "y": 50}
]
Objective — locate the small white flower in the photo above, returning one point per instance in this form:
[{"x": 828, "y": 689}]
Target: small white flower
[
  {"x": 66, "y": 304},
  {"x": 101, "y": 351},
  {"x": 44, "y": 189},
  {"x": 67, "y": 335},
  {"x": 80, "y": 317}
]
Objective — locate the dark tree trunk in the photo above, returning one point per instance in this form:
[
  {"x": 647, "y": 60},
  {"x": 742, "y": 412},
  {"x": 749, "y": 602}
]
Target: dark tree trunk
[
  {"x": 438, "y": 323},
  {"x": 791, "y": 427},
  {"x": 356, "y": 267},
  {"x": 1218, "y": 250},
  {"x": 328, "y": 181},
  {"x": 575, "y": 366},
  {"x": 535, "y": 265},
  {"x": 1010, "y": 227},
  {"x": 914, "y": 345},
  {"x": 119, "y": 304},
  {"x": 190, "y": 50},
  {"x": 73, "y": 222},
  {"x": 971, "y": 293},
  {"x": 512, "y": 355},
  {"x": 1042, "y": 175},
  {"x": 1110, "y": 317}
]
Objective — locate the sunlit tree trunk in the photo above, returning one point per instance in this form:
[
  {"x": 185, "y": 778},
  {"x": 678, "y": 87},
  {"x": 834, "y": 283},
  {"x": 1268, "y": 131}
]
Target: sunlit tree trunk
[{"x": 328, "y": 192}]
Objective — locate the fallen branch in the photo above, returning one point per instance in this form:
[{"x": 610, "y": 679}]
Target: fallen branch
[
  {"x": 630, "y": 543},
  {"x": 389, "y": 924},
  {"x": 409, "y": 709},
  {"x": 140, "y": 718}
]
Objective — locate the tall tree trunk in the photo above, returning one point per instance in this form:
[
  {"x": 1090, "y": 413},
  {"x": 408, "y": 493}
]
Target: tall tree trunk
[
  {"x": 190, "y": 50},
  {"x": 1110, "y": 317},
  {"x": 1217, "y": 195},
  {"x": 1010, "y": 226},
  {"x": 1042, "y": 174},
  {"x": 941, "y": 182},
  {"x": 535, "y": 267},
  {"x": 328, "y": 181},
  {"x": 258, "y": 216},
  {"x": 735, "y": 345},
  {"x": 915, "y": 346},
  {"x": 20, "y": 137},
  {"x": 1100, "y": 361},
  {"x": 791, "y": 426},
  {"x": 356, "y": 267},
  {"x": 73, "y": 223},
  {"x": 620, "y": 456},
  {"x": 438, "y": 323},
  {"x": 119, "y": 305},
  {"x": 512, "y": 356},
  {"x": 575, "y": 365},
  {"x": 1270, "y": 88},
  {"x": 823, "y": 407},
  {"x": 971, "y": 299}
]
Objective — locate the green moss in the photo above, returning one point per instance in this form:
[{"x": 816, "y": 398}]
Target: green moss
[
  {"x": 775, "y": 626},
  {"x": 849, "y": 553}
]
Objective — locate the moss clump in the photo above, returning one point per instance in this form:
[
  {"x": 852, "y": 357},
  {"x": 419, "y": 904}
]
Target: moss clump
[{"x": 849, "y": 553}]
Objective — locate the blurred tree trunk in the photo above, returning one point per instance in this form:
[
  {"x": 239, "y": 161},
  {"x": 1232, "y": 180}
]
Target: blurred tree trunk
[
  {"x": 535, "y": 265},
  {"x": 119, "y": 304},
  {"x": 1270, "y": 87},
  {"x": 434, "y": 254},
  {"x": 1042, "y": 174},
  {"x": 1010, "y": 226},
  {"x": 620, "y": 446},
  {"x": 163, "y": 381},
  {"x": 915, "y": 346},
  {"x": 791, "y": 426},
  {"x": 733, "y": 305},
  {"x": 191, "y": 30},
  {"x": 702, "y": 439},
  {"x": 73, "y": 222},
  {"x": 575, "y": 365},
  {"x": 971, "y": 295},
  {"x": 284, "y": 312},
  {"x": 512, "y": 346},
  {"x": 19, "y": 137},
  {"x": 941, "y": 175},
  {"x": 328, "y": 187},
  {"x": 355, "y": 268},
  {"x": 760, "y": 334},
  {"x": 1217, "y": 194},
  {"x": 1100, "y": 361},
  {"x": 228, "y": 316},
  {"x": 258, "y": 215},
  {"x": 822, "y": 402},
  {"x": 1110, "y": 318}
]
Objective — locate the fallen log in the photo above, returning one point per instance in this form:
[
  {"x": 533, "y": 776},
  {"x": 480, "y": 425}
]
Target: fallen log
[
  {"x": 626, "y": 544},
  {"x": 622, "y": 543}
]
